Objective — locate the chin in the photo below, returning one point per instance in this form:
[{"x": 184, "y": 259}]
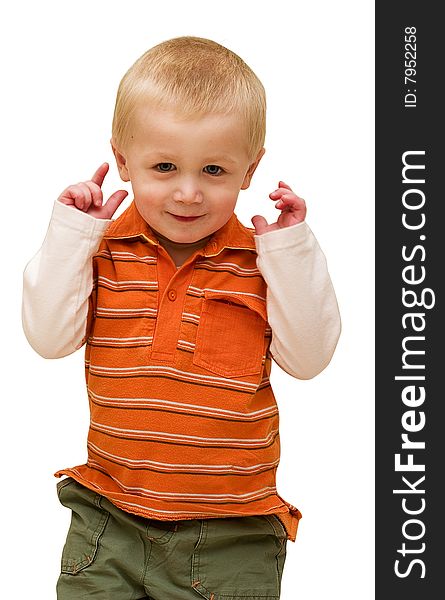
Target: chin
[{"x": 187, "y": 239}]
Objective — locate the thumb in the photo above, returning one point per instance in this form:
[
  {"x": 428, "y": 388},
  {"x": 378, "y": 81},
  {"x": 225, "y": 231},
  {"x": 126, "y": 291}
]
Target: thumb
[
  {"x": 114, "y": 201},
  {"x": 260, "y": 224}
]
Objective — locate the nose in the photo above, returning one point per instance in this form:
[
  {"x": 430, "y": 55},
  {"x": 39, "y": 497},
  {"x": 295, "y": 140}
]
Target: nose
[{"x": 188, "y": 192}]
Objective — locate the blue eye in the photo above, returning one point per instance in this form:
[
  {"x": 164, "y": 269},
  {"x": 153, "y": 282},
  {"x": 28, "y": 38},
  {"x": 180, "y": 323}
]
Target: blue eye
[
  {"x": 165, "y": 167},
  {"x": 213, "y": 170}
]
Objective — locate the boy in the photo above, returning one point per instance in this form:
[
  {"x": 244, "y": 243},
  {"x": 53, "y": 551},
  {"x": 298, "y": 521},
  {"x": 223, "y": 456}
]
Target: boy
[{"x": 182, "y": 309}]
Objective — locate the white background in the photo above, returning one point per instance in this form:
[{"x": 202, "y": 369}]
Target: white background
[{"x": 62, "y": 63}]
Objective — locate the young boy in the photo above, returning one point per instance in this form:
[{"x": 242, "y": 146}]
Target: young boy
[{"x": 182, "y": 309}]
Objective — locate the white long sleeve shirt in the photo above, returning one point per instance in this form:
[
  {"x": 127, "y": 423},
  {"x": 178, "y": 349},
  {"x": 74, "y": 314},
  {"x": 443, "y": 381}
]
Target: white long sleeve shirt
[{"x": 301, "y": 304}]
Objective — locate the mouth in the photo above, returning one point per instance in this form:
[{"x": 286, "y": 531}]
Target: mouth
[{"x": 186, "y": 219}]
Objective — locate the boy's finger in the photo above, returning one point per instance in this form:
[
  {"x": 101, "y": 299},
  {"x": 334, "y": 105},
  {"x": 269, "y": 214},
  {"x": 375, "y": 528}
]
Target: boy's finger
[
  {"x": 280, "y": 192},
  {"x": 77, "y": 194},
  {"x": 86, "y": 193},
  {"x": 69, "y": 195},
  {"x": 260, "y": 224},
  {"x": 99, "y": 175},
  {"x": 96, "y": 193},
  {"x": 276, "y": 194},
  {"x": 290, "y": 200},
  {"x": 114, "y": 201},
  {"x": 281, "y": 184}
]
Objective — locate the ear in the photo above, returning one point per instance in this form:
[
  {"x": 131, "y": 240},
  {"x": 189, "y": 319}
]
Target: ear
[
  {"x": 121, "y": 162},
  {"x": 251, "y": 169}
]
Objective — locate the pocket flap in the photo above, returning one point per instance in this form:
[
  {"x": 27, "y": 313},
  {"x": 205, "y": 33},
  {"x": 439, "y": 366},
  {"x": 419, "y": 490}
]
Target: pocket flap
[{"x": 251, "y": 301}]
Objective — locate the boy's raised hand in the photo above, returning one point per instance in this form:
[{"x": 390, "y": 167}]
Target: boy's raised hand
[
  {"x": 87, "y": 196},
  {"x": 293, "y": 210}
]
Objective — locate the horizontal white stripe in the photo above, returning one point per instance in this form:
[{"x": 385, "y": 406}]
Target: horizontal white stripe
[
  {"x": 120, "y": 344},
  {"x": 211, "y": 469},
  {"x": 129, "y": 255},
  {"x": 189, "y": 345},
  {"x": 122, "y": 339},
  {"x": 176, "y": 437},
  {"x": 186, "y": 496},
  {"x": 192, "y": 408},
  {"x": 191, "y": 316},
  {"x": 141, "y": 310},
  {"x": 232, "y": 266},
  {"x": 129, "y": 310},
  {"x": 124, "y": 313},
  {"x": 228, "y": 292},
  {"x": 264, "y": 380},
  {"x": 128, "y": 282},
  {"x": 178, "y": 513},
  {"x": 162, "y": 370}
]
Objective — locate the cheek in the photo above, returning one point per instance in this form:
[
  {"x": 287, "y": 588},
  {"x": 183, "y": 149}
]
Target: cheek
[
  {"x": 150, "y": 192},
  {"x": 149, "y": 201},
  {"x": 226, "y": 197}
]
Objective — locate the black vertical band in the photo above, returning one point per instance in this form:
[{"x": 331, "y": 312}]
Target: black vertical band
[{"x": 410, "y": 323}]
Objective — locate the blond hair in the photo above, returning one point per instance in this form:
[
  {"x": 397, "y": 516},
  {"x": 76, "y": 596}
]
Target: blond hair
[{"x": 195, "y": 76}]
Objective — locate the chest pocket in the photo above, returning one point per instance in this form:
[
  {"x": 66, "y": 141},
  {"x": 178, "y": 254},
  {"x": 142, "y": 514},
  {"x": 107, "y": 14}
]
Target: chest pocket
[{"x": 230, "y": 336}]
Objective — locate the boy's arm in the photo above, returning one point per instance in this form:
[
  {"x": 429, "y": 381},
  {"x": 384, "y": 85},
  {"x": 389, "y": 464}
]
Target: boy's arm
[
  {"x": 301, "y": 303},
  {"x": 58, "y": 281}
]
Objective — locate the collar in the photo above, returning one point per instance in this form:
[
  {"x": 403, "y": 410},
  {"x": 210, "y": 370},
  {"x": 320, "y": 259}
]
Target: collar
[{"x": 233, "y": 234}]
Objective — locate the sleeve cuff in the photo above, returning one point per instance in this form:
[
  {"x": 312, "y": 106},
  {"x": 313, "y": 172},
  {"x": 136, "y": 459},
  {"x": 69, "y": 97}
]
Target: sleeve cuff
[
  {"x": 77, "y": 220},
  {"x": 281, "y": 239}
]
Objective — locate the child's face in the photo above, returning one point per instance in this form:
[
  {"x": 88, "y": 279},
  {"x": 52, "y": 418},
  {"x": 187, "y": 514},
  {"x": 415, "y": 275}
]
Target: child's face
[{"x": 186, "y": 173}]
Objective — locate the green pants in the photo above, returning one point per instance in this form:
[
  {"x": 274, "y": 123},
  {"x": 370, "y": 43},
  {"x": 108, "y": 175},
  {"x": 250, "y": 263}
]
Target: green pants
[{"x": 113, "y": 555}]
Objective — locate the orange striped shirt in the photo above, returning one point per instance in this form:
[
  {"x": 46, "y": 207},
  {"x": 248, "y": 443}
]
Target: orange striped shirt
[{"x": 184, "y": 423}]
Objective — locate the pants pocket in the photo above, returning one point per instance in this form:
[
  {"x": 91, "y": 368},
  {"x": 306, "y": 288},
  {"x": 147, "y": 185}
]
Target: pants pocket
[
  {"x": 240, "y": 557},
  {"x": 88, "y": 522}
]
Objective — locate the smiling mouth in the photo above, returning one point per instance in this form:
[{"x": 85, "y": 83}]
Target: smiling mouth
[{"x": 185, "y": 219}]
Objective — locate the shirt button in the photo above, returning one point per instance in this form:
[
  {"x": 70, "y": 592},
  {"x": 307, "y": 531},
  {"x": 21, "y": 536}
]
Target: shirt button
[{"x": 172, "y": 295}]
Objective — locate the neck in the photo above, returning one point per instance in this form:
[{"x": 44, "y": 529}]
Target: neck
[{"x": 180, "y": 251}]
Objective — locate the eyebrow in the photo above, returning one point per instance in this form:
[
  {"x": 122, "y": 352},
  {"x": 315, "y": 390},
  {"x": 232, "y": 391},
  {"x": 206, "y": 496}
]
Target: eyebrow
[
  {"x": 223, "y": 158},
  {"x": 212, "y": 160},
  {"x": 159, "y": 156}
]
